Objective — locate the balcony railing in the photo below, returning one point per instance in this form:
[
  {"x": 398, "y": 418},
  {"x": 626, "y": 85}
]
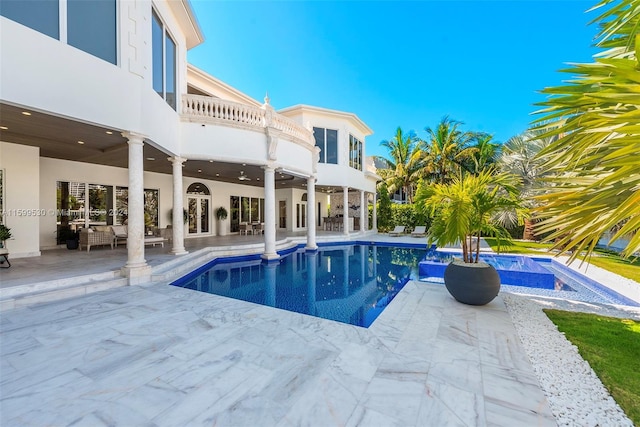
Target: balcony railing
[{"x": 209, "y": 109}]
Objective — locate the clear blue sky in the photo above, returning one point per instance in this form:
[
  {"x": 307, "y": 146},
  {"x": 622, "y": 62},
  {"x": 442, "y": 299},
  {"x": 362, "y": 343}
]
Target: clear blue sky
[{"x": 398, "y": 63}]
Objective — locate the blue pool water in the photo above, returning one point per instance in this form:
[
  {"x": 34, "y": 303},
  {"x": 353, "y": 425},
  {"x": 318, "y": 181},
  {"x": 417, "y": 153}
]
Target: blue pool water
[
  {"x": 347, "y": 283},
  {"x": 512, "y": 269}
]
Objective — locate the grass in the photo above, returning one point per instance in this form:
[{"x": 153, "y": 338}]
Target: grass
[
  {"x": 606, "y": 259},
  {"x": 611, "y": 346},
  {"x": 611, "y": 261}
]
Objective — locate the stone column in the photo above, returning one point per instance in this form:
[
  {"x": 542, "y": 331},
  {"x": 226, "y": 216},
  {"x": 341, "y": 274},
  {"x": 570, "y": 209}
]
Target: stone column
[
  {"x": 178, "y": 207},
  {"x": 312, "y": 262},
  {"x": 311, "y": 214},
  {"x": 269, "y": 214},
  {"x": 270, "y": 284},
  {"x": 374, "y": 216},
  {"x": 345, "y": 210},
  {"x": 363, "y": 212},
  {"x": 136, "y": 268}
]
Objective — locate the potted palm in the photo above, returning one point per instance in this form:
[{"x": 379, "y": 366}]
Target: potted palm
[
  {"x": 221, "y": 215},
  {"x": 5, "y": 234},
  {"x": 463, "y": 211}
]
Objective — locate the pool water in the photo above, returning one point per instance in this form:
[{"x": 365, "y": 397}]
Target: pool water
[{"x": 346, "y": 283}]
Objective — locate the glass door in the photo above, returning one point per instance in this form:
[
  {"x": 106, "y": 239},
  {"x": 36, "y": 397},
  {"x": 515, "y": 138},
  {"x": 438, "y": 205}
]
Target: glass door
[{"x": 199, "y": 214}]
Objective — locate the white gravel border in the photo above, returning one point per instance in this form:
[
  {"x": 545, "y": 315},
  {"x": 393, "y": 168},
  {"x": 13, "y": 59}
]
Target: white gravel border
[{"x": 576, "y": 395}]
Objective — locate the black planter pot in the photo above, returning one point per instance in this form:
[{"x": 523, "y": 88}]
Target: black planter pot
[
  {"x": 473, "y": 284},
  {"x": 72, "y": 244}
]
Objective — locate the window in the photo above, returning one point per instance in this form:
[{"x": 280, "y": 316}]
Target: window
[
  {"x": 355, "y": 153},
  {"x": 40, "y": 15},
  {"x": 91, "y": 26},
  {"x": 245, "y": 209},
  {"x": 1, "y": 196},
  {"x": 163, "y": 61},
  {"x": 327, "y": 140}
]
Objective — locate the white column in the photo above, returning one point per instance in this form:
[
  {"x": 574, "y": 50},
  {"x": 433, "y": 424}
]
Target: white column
[
  {"x": 311, "y": 214},
  {"x": 269, "y": 214},
  {"x": 136, "y": 268},
  {"x": 345, "y": 210},
  {"x": 178, "y": 207},
  {"x": 374, "y": 215},
  {"x": 363, "y": 212}
]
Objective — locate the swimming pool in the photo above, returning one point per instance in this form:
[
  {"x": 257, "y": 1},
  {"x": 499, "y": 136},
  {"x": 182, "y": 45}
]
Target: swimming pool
[{"x": 350, "y": 283}]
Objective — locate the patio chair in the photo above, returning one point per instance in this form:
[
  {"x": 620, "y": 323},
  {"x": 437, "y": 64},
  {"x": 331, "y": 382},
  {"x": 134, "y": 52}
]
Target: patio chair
[
  {"x": 419, "y": 231},
  {"x": 89, "y": 238},
  {"x": 397, "y": 231},
  {"x": 246, "y": 228},
  {"x": 4, "y": 253},
  {"x": 258, "y": 228},
  {"x": 120, "y": 233}
]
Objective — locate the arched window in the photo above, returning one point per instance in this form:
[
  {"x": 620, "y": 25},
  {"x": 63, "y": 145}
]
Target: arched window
[
  {"x": 198, "y": 188},
  {"x": 304, "y": 197}
]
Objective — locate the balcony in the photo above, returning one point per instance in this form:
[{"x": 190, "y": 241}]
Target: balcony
[{"x": 216, "y": 111}]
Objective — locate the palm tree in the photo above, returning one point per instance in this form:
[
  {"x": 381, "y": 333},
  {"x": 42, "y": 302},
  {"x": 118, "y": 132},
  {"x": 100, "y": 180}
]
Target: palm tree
[
  {"x": 404, "y": 167},
  {"x": 447, "y": 148},
  {"x": 467, "y": 207},
  {"x": 520, "y": 157},
  {"x": 595, "y": 184},
  {"x": 486, "y": 153}
]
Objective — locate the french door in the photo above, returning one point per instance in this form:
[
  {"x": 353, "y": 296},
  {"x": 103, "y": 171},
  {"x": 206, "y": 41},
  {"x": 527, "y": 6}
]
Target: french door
[{"x": 199, "y": 214}]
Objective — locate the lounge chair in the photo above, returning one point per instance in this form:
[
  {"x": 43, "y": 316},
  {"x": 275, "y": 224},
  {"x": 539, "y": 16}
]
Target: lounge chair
[
  {"x": 397, "y": 231},
  {"x": 419, "y": 231}
]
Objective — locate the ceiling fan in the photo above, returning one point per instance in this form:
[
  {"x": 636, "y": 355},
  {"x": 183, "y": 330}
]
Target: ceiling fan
[{"x": 243, "y": 177}]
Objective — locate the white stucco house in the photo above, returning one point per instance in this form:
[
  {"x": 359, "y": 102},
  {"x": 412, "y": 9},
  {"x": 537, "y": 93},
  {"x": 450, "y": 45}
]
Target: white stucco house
[{"x": 103, "y": 121}]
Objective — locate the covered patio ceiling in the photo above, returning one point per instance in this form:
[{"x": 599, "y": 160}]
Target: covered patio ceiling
[{"x": 62, "y": 138}]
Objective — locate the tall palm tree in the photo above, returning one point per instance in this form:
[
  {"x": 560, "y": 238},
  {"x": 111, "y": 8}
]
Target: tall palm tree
[
  {"x": 447, "y": 148},
  {"x": 519, "y": 157},
  {"x": 404, "y": 167},
  {"x": 487, "y": 152},
  {"x": 595, "y": 162}
]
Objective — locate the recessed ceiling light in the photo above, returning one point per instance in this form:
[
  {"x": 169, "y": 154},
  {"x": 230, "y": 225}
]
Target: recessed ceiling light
[
  {"x": 244, "y": 164},
  {"x": 151, "y": 158},
  {"x": 4, "y": 127},
  {"x": 81, "y": 142},
  {"x": 210, "y": 161},
  {"x": 199, "y": 170},
  {"x": 26, "y": 113},
  {"x": 217, "y": 174},
  {"x": 257, "y": 179},
  {"x": 109, "y": 132}
]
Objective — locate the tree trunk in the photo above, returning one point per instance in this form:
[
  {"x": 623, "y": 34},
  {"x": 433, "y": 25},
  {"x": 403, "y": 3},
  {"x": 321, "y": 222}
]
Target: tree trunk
[{"x": 528, "y": 230}]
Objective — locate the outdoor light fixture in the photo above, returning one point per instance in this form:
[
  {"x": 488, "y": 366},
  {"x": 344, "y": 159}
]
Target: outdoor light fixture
[
  {"x": 26, "y": 113},
  {"x": 81, "y": 142}
]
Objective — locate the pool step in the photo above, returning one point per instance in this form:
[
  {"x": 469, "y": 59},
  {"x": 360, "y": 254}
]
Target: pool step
[
  {"x": 183, "y": 264},
  {"x": 52, "y": 290}
]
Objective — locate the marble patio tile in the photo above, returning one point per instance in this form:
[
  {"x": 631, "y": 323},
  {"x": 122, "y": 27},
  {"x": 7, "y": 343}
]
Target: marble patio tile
[
  {"x": 358, "y": 362},
  {"x": 212, "y": 397},
  {"x": 108, "y": 357},
  {"x": 503, "y": 349},
  {"x": 326, "y": 400},
  {"x": 515, "y": 389},
  {"x": 17, "y": 342},
  {"x": 499, "y": 414},
  {"x": 458, "y": 328},
  {"x": 204, "y": 343},
  {"x": 110, "y": 414},
  {"x": 152, "y": 398},
  {"x": 401, "y": 367},
  {"x": 193, "y": 373},
  {"x": 456, "y": 364},
  {"x": 395, "y": 399},
  {"x": 64, "y": 385},
  {"x": 447, "y": 405},
  {"x": 388, "y": 334},
  {"x": 366, "y": 417}
]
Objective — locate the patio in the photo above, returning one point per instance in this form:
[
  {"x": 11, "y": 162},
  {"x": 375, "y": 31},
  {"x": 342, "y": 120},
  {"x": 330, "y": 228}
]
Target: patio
[{"x": 161, "y": 355}]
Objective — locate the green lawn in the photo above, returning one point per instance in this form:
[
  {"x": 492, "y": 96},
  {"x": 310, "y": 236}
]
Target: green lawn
[
  {"x": 608, "y": 260},
  {"x": 612, "y": 348}
]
